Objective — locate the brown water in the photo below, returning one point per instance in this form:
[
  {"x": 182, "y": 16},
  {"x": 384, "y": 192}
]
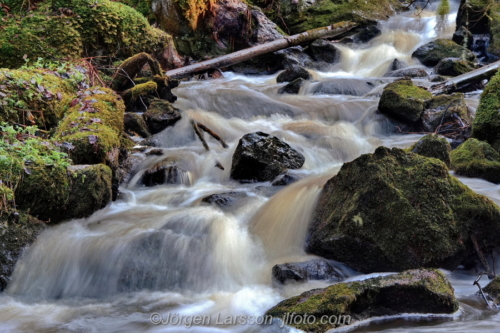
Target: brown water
[{"x": 161, "y": 250}]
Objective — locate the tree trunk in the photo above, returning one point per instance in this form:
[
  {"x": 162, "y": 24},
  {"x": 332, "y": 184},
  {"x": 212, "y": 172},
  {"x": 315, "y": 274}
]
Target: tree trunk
[
  {"x": 466, "y": 79},
  {"x": 273, "y": 46}
]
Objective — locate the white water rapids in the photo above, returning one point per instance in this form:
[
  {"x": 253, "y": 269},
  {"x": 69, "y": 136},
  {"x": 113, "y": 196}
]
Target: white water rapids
[{"x": 161, "y": 250}]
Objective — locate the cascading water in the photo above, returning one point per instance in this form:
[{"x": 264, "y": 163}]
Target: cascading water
[{"x": 162, "y": 249}]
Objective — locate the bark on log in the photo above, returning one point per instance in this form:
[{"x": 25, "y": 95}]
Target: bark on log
[
  {"x": 465, "y": 80},
  {"x": 273, "y": 46}
]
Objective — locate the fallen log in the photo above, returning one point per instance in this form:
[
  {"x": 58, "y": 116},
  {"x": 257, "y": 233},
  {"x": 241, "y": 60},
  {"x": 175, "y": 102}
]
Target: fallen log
[
  {"x": 273, "y": 46},
  {"x": 464, "y": 80}
]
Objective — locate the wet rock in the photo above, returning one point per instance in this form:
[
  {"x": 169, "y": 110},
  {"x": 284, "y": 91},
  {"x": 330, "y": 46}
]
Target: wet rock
[
  {"x": 461, "y": 34},
  {"x": 224, "y": 199},
  {"x": 438, "y": 78},
  {"x": 165, "y": 172},
  {"x": 16, "y": 234},
  {"x": 476, "y": 158},
  {"x": 403, "y": 100},
  {"x": 407, "y": 72},
  {"x": 453, "y": 67},
  {"x": 160, "y": 115},
  {"x": 317, "y": 269},
  {"x": 448, "y": 112},
  {"x": 486, "y": 125},
  {"x": 293, "y": 56},
  {"x": 431, "y": 53},
  {"x": 323, "y": 50},
  {"x": 261, "y": 157},
  {"x": 397, "y": 64},
  {"x": 292, "y": 87},
  {"x": 363, "y": 35},
  {"x": 135, "y": 124},
  {"x": 413, "y": 291},
  {"x": 342, "y": 86},
  {"x": 293, "y": 73},
  {"x": 285, "y": 180},
  {"x": 392, "y": 210},
  {"x": 433, "y": 146},
  {"x": 493, "y": 290}
]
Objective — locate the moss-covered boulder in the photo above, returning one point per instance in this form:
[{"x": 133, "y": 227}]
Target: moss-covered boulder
[
  {"x": 414, "y": 291},
  {"x": 476, "y": 158},
  {"x": 431, "y": 53},
  {"x": 486, "y": 125},
  {"x": 71, "y": 29},
  {"x": 403, "y": 100},
  {"x": 493, "y": 290},
  {"x": 37, "y": 96},
  {"x": 453, "y": 67},
  {"x": 392, "y": 210},
  {"x": 296, "y": 17},
  {"x": 446, "y": 113},
  {"x": 93, "y": 126},
  {"x": 17, "y": 232},
  {"x": 433, "y": 146}
]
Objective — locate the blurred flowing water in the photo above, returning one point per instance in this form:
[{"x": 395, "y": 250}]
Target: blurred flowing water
[{"x": 161, "y": 249}]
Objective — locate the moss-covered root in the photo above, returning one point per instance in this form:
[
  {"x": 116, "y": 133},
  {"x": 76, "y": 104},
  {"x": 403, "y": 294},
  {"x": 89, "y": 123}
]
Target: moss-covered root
[
  {"x": 476, "y": 158},
  {"x": 129, "y": 69},
  {"x": 433, "y": 146},
  {"x": 404, "y": 101},
  {"x": 486, "y": 125},
  {"x": 414, "y": 291},
  {"x": 94, "y": 126},
  {"x": 34, "y": 96}
]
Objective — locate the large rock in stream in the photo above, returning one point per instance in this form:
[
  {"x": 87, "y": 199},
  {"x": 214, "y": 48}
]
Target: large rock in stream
[
  {"x": 476, "y": 158},
  {"x": 414, "y": 291},
  {"x": 392, "y": 210},
  {"x": 431, "y": 53},
  {"x": 261, "y": 157},
  {"x": 486, "y": 125}
]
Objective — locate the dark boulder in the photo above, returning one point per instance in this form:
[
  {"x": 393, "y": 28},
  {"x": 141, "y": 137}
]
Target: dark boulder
[
  {"x": 261, "y": 157},
  {"x": 404, "y": 101},
  {"x": 317, "y": 269},
  {"x": 160, "y": 115},
  {"x": 165, "y": 172},
  {"x": 461, "y": 34},
  {"x": 285, "y": 179},
  {"x": 453, "y": 67},
  {"x": 224, "y": 200},
  {"x": 431, "y": 53},
  {"x": 134, "y": 124},
  {"x": 392, "y": 210},
  {"x": 293, "y": 73},
  {"x": 323, "y": 50},
  {"x": 433, "y": 146},
  {"x": 364, "y": 35},
  {"x": 397, "y": 64},
  {"x": 292, "y": 87},
  {"x": 476, "y": 158},
  {"x": 448, "y": 112},
  {"x": 423, "y": 291},
  {"x": 407, "y": 72}
]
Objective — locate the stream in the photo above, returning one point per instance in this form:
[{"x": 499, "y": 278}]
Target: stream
[{"x": 161, "y": 250}]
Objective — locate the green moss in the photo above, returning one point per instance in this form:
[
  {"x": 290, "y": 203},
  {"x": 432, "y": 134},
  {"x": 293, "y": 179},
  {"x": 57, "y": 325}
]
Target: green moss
[
  {"x": 35, "y": 96},
  {"x": 142, "y": 6},
  {"x": 429, "y": 291},
  {"x": 403, "y": 100},
  {"x": 297, "y": 18},
  {"x": 486, "y": 125},
  {"x": 476, "y": 158},
  {"x": 431, "y": 53},
  {"x": 493, "y": 289},
  {"x": 433, "y": 146},
  {"x": 93, "y": 125},
  {"x": 93, "y": 27},
  {"x": 414, "y": 215}
]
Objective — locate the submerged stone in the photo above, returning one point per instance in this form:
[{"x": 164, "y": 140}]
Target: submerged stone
[
  {"x": 292, "y": 87},
  {"x": 293, "y": 73},
  {"x": 425, "y": 291},
  {"x": 476, "y": 158},
  {"x": 261, "y": 157},
  {"x": 392, "y": 210},
  {"x": 316, "y": 269}
]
